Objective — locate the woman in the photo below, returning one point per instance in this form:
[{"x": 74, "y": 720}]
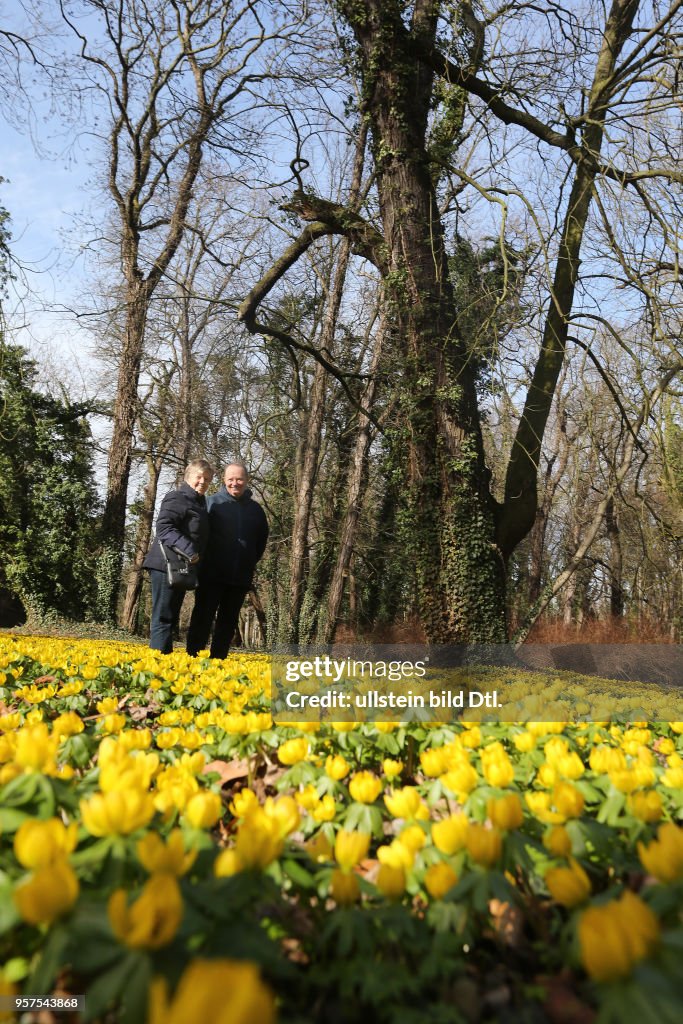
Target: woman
[{"x": 183, "y": 524}]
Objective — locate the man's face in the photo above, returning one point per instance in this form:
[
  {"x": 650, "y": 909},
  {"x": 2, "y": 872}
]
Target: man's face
[
  {"x": 235, "y": 481},
  {"x": 199, "y": 480}
]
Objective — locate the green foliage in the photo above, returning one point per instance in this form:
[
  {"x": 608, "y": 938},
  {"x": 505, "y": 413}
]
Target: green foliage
[{"x": 47, "y": 494}]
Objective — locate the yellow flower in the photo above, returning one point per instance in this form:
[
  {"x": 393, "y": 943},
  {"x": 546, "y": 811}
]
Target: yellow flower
[
  {"x": 344, "y": 889},
  {"x": 108, "y": 705},
  {"x": 433, "y": 761},
  {"x": 67, "y": 724},
  {"x": 350, "y": 848},
  {"x": 226, "y": 864},
  {"x": 119, "y": 812},
  {"x": 568, "y": 800},
  {"x": 337, "y": 767},
  {"x": 499, "y": 772},
  {"x": 293, "y": 751},
  {"x": 219, "y": 991},
  {"x": 614, "y": 937},
  {"x": 396, "y": 855},
  {"x": 484, "y": 845},
  {"x": 243, "y": 802},
  {"x": 203, "y": 809},
  {"x": 413, "y": 837},
  {"x": 307, "y": 798},
  {"x": 439, "y": 878},
  {"x": 524, "y": 742},
  {"x": 391, "y": 881},
  {"x": 672, "y": 778},
  {"x": 284, "y": 812},
  {"x": 152, "y": 920},
  {"x": 38, "y": 843},
  {"x": 646, "y": 805},
  {"x": 392, "y": 769},
  {"x": 326, "y": 809},
  {"x": 365, "y": 787},
  {"x": 547, "y": 775},
  {"x": 558, "y": 841},
  {"x": 461, "y": 779},
  {"x": 663, "y": 857},
  {"x": 569, "y": 886},
  {"x": 406, "y": 803},
  {"x": 506, "y": 812},
  {"x": 36, "y": 749},
  {"x": 449, "y": 834},
  {"x": 259, "y": 840},
  {"x": 155, "y": 855},
  {"x": 48, "y": 893}
]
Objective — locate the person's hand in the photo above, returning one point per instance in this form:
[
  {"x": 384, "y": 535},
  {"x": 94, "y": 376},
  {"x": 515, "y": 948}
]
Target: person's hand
[{"x": 194, "y": 559}]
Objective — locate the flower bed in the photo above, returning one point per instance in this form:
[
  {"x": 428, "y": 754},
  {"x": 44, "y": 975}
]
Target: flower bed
[{"x": 168, "y": 852}]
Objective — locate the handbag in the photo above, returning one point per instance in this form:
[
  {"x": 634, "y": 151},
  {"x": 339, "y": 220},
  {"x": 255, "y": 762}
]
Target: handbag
[{"x": 180, "y": 573}]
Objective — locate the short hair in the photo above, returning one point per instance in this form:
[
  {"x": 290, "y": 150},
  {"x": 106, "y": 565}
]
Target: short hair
[
  {"x": 236, "y": 462},
  {"x": 202, "y": 464}
]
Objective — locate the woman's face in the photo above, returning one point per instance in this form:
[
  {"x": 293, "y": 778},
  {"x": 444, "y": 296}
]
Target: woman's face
[{"x": 199, "y": 480}]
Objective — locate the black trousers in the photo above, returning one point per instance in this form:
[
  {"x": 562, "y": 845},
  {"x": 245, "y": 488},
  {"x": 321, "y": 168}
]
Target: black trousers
[
  {"x": 166, "y": 605},
  {"x": 215, "y": 601}
]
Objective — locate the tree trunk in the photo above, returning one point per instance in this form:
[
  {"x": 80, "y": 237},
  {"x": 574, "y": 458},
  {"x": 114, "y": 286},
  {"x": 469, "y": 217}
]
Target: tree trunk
[
  {"x": 131, "y": 601},
  {"x": 125, "y": 413},
  {"x": 461, "y": 579},
  {"x": 616, "y": 585},
  {"x": 357, "y": 480}
]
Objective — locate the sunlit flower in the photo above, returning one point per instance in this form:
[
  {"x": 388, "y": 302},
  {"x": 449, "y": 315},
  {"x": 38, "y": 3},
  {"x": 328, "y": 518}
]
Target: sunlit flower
[
  {"x": 365, "y": 787},
  {"x": 151, "y": 920},
  {"x": 47, "y": 894},
  {"x": 439, "y": 879},
  {"x": 614, "y": 937},
  {"x": 569, "y": 886}
]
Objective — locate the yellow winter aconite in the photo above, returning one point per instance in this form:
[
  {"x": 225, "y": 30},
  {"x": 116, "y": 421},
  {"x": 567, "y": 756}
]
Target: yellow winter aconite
[
  {"x": 151, "y": 920},
  {"x": 484, "y": 845},
  {"x": 663, "y": 857},
  {"x": 439, "y": 879},
  {"x": 38, "y": 843},
  {"x": 220, "y": 991},
  {"x": 391, "y": 881},
  {"x": 614, "y": 937},
  {"x": 344, "y": 887},
  {"x": 350, "y": 848},
  {"x": 49, "y": 893},
  {"x": 337, "y": 767},
  {"x": 203, "y": 809},
  {"x": 406, "y": 803},
  {"x": 569, "y": 886},
  {"x": 365, "y": 787},
  {"x": 449, "y": 834},
  {"x": 156, "y": 856},
  {"x": 293, "y": 751},
  {"x": 506, "y": 812},
  {"x": 118, "y": 812}
]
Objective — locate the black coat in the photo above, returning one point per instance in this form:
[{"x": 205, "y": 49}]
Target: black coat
[
  {"x": 238, "y": 531},
  {"x": 183, "y": 523}
]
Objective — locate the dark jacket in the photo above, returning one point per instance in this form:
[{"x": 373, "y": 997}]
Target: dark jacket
[
  {"x": 182, "y": 523},
  {"x": 238, "y": 531}
]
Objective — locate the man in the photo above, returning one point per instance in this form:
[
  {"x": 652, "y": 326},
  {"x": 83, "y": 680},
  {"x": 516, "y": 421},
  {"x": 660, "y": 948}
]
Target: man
[
  {"x": 182, "y": 524},
  {"x": 238, "y": 531}
]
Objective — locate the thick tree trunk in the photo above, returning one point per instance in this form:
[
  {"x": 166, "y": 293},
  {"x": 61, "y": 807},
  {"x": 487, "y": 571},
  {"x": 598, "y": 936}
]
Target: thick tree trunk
[{"x": 461, "y": 580}]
